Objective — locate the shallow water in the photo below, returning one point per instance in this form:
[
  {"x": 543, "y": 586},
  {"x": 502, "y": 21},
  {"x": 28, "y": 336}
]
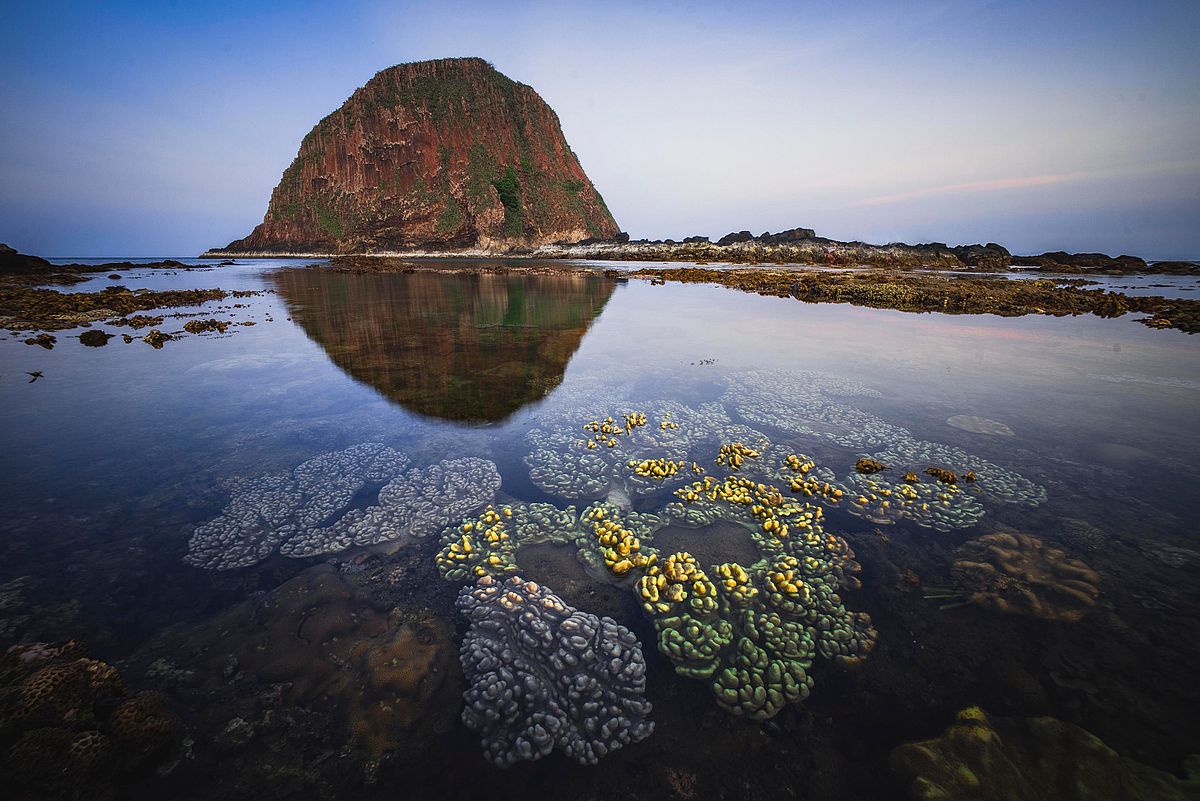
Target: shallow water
[{"x": 117, "y": 454}]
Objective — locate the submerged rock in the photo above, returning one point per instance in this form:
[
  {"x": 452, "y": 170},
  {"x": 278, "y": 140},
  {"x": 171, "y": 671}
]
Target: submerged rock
[{"x": 985, "y": 758}]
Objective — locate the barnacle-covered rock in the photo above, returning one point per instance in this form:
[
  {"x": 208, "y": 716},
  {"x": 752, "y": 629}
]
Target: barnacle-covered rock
[
  {"x": 421, "y": 502},
  {"x": 984, "y": 758},
  {"x": 1017, "y": 573},
  {"x": 542, "y": 675},
  {"x": 264, "y": 512}
]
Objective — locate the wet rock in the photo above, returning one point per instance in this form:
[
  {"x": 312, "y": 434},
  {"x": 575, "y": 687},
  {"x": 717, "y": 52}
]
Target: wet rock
[
  {"x": 95, "y": 338},
  {"x": 156, "y": 339}
]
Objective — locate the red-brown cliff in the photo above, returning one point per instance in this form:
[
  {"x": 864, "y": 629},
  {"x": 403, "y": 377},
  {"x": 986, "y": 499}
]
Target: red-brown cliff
[{"x": 441, "y": 155}]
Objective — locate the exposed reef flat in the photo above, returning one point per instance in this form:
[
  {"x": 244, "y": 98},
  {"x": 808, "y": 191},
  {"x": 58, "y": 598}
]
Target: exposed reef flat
[
  {"x": 797, "y": 246},
  {"x": 21, "y": 268},
  {"x": 921, "y": 292},
  {"x": 802, "y": 246},
  {"x": 902, "y": 290},
  {"x": 26, "y": 304}
]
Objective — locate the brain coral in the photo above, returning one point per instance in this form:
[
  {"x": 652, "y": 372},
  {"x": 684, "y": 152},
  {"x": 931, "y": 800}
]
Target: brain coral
[
  {"x": 1014, "y": 572},
  {"x": 267, "y": 510},
  {"x": 542, "y": 675}
]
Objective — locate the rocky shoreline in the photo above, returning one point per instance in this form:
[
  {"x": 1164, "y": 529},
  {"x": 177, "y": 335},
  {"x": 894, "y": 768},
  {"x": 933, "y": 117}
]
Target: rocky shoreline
[
  {"x": 27, "y": 305},
  {"x": 797, "y": 246},
  {"x": 21, "y": 268}
]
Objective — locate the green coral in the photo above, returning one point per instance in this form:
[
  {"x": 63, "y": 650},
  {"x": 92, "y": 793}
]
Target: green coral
[{"x": 755, "y": 630}]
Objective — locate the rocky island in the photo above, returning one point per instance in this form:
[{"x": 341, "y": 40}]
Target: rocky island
[
  {"x": 433, "y": 155},
  {"x": 452, "y": 158}
]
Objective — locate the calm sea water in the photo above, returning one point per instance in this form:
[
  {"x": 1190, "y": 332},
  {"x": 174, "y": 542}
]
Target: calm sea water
[{"x": 116, "y": 454}]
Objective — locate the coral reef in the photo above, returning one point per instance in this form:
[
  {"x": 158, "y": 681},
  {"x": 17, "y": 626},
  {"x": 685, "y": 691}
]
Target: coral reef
[
  {"x": 610, "y": 543},
  {"x": 413, "y": 505},
  {"x": 801, "y": 402},
  {"x": 1016, "y": 573},
  {"x": 383, "y": 677},
  {"x": 543, "y": 675},
  {"x": 755, "y": 630},
  {"x": 70, "y": 728},
  {"x": 398, "y": 678},
  {"x": 984, "y": 758},
  {"x": 995, "y": 483},
  {"x": 614, "y": 455},
  {"x": 928, "y": 504},
  {"x": 488, "y": 544},
  {"x": 265, "y": 511}
]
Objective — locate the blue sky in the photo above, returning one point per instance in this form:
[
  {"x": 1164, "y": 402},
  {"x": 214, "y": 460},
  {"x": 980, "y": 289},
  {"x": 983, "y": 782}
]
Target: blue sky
[{"x": 160, "y": 128}]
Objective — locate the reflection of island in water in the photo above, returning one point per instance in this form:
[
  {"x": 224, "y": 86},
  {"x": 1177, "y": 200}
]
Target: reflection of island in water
[{"x": 470, "y": 347}]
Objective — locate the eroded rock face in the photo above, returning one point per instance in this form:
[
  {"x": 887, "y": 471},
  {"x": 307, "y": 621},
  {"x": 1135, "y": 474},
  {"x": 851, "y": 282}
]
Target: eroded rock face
[{"x": 435, "y": 155}]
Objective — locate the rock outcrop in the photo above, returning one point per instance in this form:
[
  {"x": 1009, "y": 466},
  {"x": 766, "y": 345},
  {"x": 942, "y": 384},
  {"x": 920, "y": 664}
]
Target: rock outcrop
[{"x": 433, "y": 155}]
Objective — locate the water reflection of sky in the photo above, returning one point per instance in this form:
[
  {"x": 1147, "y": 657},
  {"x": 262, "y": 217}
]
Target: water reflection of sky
[
  {"x": 117, "y": 453},
  {"x": 1084, "y": 379}
]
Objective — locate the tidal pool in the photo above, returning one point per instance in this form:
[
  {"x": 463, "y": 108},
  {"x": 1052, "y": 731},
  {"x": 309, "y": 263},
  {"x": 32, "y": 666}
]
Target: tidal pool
[{"x": 257, "y": 527}]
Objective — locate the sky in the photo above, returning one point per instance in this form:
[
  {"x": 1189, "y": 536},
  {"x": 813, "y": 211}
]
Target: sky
[{"x": 160, "y": 128}]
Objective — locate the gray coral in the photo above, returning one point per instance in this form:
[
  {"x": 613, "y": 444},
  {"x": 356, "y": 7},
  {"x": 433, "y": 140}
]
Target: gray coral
[
  {"x": 543, "y": 675},
  {"x": 267, "y": 510},
  {"x": 414, "y": 505}
]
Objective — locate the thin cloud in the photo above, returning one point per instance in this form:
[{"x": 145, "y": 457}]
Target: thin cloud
[{"x": 975, "y": 186}]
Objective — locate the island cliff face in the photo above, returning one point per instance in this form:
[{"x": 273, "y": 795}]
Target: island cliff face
[{"x": 433, "y": 155}]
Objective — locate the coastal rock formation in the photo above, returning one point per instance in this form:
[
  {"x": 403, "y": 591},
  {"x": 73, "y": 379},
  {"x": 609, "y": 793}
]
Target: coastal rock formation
[
  {"x": 433, "y": 155},
  {"x": 1058, "y": 261}
]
